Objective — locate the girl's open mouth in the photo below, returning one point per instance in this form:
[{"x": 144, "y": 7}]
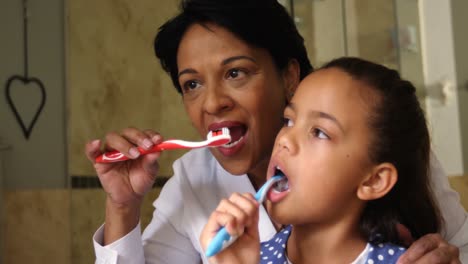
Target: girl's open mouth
[
  {"x": 283, "y": 185},
  {"x": 280, "y": 189}
]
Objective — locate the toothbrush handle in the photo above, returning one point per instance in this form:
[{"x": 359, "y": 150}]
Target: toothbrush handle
[
  {"x": 220, "y": 241},
  {"x": 116, "y": 156}
]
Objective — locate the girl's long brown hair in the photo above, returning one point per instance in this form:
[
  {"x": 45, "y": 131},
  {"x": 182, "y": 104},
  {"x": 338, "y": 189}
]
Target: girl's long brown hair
[{"x": 400, "y": 137}]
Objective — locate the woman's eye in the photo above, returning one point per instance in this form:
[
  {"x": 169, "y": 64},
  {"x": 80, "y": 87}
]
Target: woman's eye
[
  {"x": 320, "y": 134},
  {"x": 235, "y": 73},
  {"x": 190, "y": 85},
  {"x": 287, "y": 122}
]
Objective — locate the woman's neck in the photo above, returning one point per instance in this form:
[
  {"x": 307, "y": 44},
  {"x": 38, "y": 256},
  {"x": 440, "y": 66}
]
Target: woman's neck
[
  {"x": 336, "y": 243},
  {"x": 257, "y": 176}
]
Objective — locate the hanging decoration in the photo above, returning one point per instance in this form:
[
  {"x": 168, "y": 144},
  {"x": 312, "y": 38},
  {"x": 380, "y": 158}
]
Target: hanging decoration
[{"x": 26, "y": 80}]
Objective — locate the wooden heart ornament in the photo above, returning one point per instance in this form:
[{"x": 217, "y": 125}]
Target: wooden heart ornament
[{"x": 28, "y": 83}]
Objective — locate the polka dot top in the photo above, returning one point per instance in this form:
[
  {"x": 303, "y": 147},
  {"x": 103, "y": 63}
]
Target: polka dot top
[{"x": 274, "y": 251}]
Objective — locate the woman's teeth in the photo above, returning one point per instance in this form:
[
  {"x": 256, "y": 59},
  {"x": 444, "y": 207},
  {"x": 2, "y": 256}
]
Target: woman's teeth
[{"x": 232, "y": 144}]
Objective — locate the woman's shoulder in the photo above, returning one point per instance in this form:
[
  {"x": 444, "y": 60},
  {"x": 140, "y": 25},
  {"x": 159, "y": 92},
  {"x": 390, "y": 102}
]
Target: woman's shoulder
[
  {"x": 195, "y": 162},
  {"x": 192, "y": 178},
  {"x": 197, "y": 158},
  {"x": 197, "y": 168}
]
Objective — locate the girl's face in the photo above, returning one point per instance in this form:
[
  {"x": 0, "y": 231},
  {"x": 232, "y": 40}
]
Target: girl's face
[
  {"x": 227, "y": 83},
  {"x": 323, "y": 150}
]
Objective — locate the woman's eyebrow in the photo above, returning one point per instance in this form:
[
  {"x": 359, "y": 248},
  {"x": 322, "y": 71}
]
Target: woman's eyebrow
[
  {"x": 224, "y": 62},
  {"x": 240, "y": 57},
  {"x": 188, "y": 70}
]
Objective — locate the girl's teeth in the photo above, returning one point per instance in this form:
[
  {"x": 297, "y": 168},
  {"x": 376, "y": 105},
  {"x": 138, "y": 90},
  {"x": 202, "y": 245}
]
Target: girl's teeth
[
  {"x": 232, "y": 144},
  {"x": 282, "y": 185}
]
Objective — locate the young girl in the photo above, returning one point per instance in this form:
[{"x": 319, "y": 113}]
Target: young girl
[{"x": 354, "y": 151}]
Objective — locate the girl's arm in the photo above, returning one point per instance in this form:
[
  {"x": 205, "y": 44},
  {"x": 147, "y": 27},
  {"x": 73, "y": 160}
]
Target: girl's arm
[{"x": 239, "y": 214}]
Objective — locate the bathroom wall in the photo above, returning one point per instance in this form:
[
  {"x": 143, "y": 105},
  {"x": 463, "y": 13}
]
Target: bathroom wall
[
  {"x": 459, "y": 12},
  {"x": 114, "y": 81},
  {"x": 440, "y": 80},
  {"x": 50, "y": 210},
  {"x": 321, "y": 25},
  {"x": 114, "y": 78},
  {"x": 35, "y": 223},
  {"x": 39, "y": 161}
]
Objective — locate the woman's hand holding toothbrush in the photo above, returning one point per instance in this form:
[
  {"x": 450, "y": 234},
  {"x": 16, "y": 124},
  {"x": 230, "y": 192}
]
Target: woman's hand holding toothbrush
[
  {"x": 125, "y": 182},
  {"x": 239, "y": 215}
]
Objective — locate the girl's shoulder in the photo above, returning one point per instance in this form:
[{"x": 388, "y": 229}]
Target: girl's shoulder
[
  {"x": 274, "y": 250},
  {"x": 384, "y": 253}
]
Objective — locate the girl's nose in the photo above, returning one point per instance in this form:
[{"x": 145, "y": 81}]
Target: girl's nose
[
  {"x": 217, "y": 100},
  {"x": 286, "y": 141}
]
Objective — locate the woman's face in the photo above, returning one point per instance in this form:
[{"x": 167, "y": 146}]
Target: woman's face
[
  {"x": 228, "y": 83},
  {"x": 323, "y": 150}
]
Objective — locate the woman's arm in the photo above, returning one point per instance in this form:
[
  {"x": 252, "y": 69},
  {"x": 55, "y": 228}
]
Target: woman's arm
[{"x": 163, "y": 241}]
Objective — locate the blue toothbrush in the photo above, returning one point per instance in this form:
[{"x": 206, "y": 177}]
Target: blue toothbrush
[{"x": 222, "y": 239}]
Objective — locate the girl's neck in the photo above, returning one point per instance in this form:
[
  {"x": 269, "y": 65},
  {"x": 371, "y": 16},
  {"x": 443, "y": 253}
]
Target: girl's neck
[{"x": 325, "y": 244}]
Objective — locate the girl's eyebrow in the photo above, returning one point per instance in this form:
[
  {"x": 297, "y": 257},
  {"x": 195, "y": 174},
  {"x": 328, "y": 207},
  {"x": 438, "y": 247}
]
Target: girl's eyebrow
[
  {"x": 319, "y": 114},
  {"x": 327, "y": 116},
  {"x": 224, "y": 62}
]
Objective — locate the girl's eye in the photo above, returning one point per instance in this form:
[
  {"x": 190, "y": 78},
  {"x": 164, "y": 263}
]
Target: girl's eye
[
  {"x": 287, "y": 122},
  {"x": 320, "y": 134},
  {"x": 190, "y": 85}
]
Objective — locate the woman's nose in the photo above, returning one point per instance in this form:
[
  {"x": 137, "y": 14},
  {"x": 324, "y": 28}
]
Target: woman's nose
[{"x": 217, "y": 100}]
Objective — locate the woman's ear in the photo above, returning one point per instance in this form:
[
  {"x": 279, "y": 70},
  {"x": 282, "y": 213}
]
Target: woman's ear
[
  {"x": 378, "y": 183},
  {"x": 291, "y": 77}
]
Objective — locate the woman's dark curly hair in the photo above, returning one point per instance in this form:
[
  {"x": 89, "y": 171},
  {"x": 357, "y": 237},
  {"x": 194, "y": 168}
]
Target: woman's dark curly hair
[{"x": 261, "y": 23}]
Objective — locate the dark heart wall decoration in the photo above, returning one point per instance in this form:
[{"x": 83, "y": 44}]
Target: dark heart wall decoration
[{"x": 25, "y": 126}]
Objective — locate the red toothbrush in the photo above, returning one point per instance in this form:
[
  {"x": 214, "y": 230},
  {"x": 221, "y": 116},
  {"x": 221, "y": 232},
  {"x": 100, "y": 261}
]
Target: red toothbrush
[{"x": 214, "y": 138}]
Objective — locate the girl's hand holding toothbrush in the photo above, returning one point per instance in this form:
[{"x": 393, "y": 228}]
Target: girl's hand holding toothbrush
[{"x": 239, "y": 215}]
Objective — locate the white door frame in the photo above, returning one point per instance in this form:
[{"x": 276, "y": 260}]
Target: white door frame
[{"x": 438, "y": 58}]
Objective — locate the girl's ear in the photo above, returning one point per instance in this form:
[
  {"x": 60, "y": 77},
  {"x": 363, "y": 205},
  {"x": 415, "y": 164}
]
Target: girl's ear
[
  {"x": 291, "y": 77},
  {"x": 378, "y": 183}
]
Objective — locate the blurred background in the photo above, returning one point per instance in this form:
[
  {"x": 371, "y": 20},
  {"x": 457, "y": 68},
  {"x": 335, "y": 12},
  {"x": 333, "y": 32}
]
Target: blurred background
[{"x": 95, "y": 63}]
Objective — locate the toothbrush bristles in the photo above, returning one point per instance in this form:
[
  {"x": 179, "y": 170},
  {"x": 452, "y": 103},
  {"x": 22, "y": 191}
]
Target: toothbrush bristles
[{"x": 218, "y": 132}]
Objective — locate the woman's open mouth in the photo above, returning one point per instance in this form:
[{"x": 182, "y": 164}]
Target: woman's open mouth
[{"x": 237, "y": 133}]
